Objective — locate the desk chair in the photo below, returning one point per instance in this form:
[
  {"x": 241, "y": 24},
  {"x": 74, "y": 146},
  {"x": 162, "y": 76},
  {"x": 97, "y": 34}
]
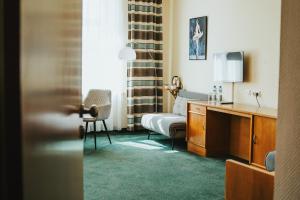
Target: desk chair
[{"x": 102, "y": 99}]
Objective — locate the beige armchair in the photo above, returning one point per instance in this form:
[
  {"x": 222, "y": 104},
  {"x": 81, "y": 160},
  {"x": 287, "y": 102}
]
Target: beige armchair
[{"x": 102, "y": 99}]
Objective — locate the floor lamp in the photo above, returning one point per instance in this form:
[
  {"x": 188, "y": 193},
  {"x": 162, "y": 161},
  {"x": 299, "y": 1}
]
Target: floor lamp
[{"x": 129, "y": 54}]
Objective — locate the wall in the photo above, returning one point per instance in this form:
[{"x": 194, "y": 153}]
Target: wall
[
  {"x": 233, "y": 25},
  {"x": 288, "y": 137}
]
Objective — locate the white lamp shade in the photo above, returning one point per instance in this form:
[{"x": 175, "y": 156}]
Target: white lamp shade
[
  {"x": 219, "y": 69},
  {"x": 127, "y": 54},
  {"x": 227, "y": 70},
  {"x": 234, "y": 71}
]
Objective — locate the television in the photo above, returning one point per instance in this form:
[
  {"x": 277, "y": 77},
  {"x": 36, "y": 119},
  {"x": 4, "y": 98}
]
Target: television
[{"x": 228, "y": 67}]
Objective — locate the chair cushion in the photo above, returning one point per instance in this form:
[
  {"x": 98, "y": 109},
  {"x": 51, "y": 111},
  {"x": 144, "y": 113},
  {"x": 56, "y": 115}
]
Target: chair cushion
[
  {"x": 164, "y": 123},
  {"x": 88, "y": 118},
  {"x": 179, "y": 107}
]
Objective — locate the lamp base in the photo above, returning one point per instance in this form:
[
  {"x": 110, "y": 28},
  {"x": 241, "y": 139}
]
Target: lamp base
[{"x": 226, "y": 102}]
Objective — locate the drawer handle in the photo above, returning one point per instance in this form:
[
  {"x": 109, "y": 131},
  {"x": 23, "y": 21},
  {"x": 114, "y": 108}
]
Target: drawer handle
[{"x": 254, "y": 139}]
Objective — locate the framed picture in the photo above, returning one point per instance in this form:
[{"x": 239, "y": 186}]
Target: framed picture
[{"x": 198, "y": 38}]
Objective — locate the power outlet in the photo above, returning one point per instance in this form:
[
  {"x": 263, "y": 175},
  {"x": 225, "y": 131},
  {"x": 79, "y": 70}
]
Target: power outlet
[
  {"x": 254, "y": 93},
  {"x": 257, "y": 93},
  {"x": 250, "y": 92}
]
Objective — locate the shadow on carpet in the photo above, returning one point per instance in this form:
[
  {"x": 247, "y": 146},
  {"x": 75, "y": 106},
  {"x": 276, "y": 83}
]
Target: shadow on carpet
[{"x": 134, "y": 168}]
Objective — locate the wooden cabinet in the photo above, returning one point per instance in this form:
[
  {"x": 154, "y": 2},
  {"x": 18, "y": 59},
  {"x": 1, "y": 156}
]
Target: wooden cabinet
[
  {"x": 263, "y": 139},
  {"x": 196, "y": 129},
  {"x": 243, "y": 131}
]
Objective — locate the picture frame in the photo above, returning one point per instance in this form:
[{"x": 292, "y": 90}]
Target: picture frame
[{"x": 198, "y": 38}]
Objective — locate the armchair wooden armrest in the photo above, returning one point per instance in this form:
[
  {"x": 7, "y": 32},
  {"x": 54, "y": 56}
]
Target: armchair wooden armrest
[{"x": 248, "y": 182}]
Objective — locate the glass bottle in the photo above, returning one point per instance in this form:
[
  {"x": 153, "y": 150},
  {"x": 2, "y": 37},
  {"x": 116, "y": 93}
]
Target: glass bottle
[
  {"x": 220, "y": 95},
  {"x": 214, "y": 98}
]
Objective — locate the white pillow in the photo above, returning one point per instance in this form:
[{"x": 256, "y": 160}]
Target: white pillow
[{"x": 180, "y": 104}]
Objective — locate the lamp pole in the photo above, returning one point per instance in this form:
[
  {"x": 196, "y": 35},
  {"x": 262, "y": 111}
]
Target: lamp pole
[{"x": 129, "y": 54}]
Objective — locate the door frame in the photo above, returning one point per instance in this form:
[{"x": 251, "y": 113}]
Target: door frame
[{"x": 10, "y": 109}]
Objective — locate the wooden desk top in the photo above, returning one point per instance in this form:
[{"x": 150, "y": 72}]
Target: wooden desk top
[{"x": 242, "y": 108}]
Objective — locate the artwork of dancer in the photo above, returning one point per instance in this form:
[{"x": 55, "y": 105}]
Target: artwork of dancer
[{"x": 197, "y": 38}]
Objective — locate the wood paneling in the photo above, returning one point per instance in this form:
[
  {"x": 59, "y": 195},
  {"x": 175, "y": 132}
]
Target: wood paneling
[
  {"x": 239, "y": 108},
  {"x": 217, "y": 133},
  {"x": 52, "y": 151},
  {"x": 196, "y": 129},
  {"x": 263, "y": 139},
  {"x": 196, "y": 149},
  {"x": 247, "y": 182},
  {"x": 230, "y": 112},
  {"x": 239, "y": 137}
]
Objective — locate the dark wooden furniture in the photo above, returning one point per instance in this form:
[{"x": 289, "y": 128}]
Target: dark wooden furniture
[
  {"x": 248, "y": 182},
  {"x": 246, "y": 132}
]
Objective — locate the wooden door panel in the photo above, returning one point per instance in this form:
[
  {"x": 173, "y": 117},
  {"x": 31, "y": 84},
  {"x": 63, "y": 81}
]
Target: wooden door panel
[
  {"x": 51, "y": 84},
  {"x": 247, "y": 182},
  {"x": 239, "y": 137},
  {"x": 263, "y": 139},
  {"x": 196, "y": 129}
]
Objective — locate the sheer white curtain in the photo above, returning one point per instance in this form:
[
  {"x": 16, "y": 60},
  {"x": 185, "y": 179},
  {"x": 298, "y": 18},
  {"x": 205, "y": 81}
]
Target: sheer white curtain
[{"x": 104, "y": 33}]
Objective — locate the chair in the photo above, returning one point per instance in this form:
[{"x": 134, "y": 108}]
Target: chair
[
  {"x": 172, "y": 125},
  {"x": 102, "y": 99}
]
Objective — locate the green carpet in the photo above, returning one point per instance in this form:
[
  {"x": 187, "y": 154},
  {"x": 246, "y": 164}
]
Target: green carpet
[{"x": 136, "y": 168}]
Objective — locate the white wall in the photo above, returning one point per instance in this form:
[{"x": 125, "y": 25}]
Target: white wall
[{"x": 233, "y": 25}]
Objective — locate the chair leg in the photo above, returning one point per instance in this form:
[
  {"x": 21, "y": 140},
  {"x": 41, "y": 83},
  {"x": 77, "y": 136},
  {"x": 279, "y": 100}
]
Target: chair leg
[
  {"x": 106, "y": 131},
  {"x": 173, "y": 138},
  {"x": 149, "y": 133},
  {"x": 95, "y": 139},
  {"x": 86, "y": 129},
  {"x": 172, "y": 143}
]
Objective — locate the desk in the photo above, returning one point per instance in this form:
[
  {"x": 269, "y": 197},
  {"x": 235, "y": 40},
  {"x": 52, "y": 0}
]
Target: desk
[{"x": 243, "y": 131}]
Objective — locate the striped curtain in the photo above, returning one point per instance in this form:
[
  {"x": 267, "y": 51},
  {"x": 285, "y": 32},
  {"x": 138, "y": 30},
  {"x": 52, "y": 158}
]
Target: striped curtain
[{"x": 144, "y": 75}]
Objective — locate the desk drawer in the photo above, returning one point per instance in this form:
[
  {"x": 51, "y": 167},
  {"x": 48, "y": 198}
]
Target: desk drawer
[{"x": 197, "y": 108}]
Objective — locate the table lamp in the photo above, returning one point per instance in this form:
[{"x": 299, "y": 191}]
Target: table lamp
[{"x": 228, "y": 68}]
